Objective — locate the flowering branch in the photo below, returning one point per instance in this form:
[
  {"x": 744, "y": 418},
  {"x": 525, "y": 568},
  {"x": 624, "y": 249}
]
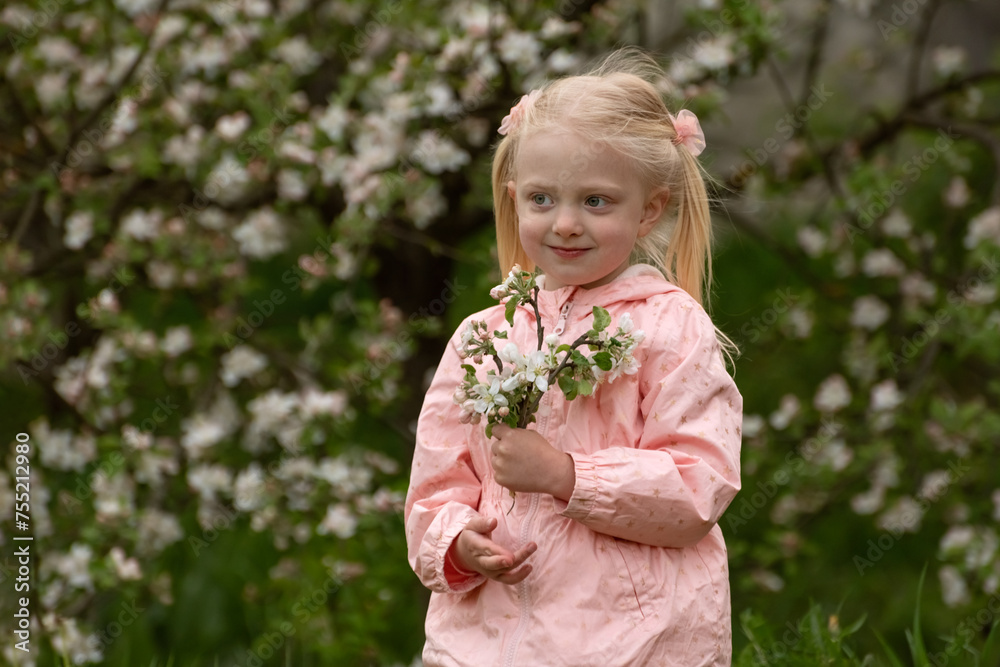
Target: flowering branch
[{"x": 512, "y": 393}]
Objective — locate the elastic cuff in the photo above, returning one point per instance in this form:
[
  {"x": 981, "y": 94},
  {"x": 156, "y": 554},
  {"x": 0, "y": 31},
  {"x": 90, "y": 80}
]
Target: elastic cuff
[{"x": 581, "y": 503}]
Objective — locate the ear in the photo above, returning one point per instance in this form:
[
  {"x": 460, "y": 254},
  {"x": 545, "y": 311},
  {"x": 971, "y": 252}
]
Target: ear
[
  {"x": 512, "y": 193},
  {"x": 656, "y": 204}
]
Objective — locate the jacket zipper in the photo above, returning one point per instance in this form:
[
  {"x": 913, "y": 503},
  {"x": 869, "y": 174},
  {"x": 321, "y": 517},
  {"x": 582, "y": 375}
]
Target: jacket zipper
[
  {"x": 522, "y": 587},
  {"x": 529, "y": 519},
  {"x": 563, "y": 314}
]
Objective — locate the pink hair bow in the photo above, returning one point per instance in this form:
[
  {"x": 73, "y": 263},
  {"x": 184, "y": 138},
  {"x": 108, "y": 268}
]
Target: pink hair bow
[
  {"x": 688, "y": 131},
  {"x": 513, "y": 119}
]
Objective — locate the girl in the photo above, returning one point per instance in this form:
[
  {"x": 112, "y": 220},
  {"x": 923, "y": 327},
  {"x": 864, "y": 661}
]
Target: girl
[{"x": 611, "y": 554}]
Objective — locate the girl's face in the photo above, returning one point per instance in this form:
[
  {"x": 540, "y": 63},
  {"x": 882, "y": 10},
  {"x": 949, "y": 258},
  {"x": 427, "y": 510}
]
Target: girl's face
[{"x": 580, "y": 207}]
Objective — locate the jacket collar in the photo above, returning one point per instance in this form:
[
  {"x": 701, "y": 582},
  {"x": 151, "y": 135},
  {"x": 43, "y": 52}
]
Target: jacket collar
[{"x": 635, "y": 283}]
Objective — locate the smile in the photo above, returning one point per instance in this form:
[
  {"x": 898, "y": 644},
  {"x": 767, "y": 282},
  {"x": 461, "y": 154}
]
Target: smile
[{"x": 568, "y": 253}]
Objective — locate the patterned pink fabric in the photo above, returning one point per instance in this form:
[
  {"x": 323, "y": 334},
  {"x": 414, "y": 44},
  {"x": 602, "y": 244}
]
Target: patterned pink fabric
[{"x": 633, "y": 569}]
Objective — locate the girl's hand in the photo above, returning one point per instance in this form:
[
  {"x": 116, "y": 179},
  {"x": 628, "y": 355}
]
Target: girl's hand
[
  {"x": 474, "y": 550},
  {"x": 523, "y": 460}
]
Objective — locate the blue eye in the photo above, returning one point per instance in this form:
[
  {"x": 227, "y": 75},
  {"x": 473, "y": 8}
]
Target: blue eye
[
  {"x": 540, "y": 199},
  {"x": 595, "y": 202}
]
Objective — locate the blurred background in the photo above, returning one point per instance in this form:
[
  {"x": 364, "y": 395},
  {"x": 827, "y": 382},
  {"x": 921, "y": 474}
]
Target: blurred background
[{"x": 235, "y": 235}]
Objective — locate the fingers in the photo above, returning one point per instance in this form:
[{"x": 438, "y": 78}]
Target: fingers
[
  {"x": 482, "y": 525},
  {"x": 501, "y": 430},
  {"x": 508, "y": 568}
]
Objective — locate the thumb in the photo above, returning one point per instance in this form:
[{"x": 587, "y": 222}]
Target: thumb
[{"x": 481, "y": 524}]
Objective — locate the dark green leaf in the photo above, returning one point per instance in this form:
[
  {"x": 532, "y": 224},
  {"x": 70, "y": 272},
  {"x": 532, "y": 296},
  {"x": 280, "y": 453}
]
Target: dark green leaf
[{"x": 603, "y": 360}]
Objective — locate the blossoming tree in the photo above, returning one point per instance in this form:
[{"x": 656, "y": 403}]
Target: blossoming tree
[{"x": 231, "y": 229}]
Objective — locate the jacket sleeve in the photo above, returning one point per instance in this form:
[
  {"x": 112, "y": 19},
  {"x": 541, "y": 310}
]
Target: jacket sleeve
[
  {"x": 672, "y": 488},
  {"x": 444, "y": 489}
]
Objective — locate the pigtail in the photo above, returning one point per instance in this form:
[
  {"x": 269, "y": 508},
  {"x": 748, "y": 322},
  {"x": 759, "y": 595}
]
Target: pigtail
[
  {"x": 689, "y": 256},
  {"x": 509, "y": 250}
]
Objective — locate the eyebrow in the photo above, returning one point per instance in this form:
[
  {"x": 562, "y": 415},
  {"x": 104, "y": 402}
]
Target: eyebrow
[{"x": 582, "y": 187}]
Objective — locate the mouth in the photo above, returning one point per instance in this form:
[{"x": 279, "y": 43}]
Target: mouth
[{"x": 568, "y": 253}]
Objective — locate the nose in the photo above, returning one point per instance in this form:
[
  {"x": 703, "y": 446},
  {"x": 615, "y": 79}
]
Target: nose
[{"x": 567, "y": 222}]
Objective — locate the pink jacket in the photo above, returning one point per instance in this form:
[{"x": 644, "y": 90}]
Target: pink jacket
[{"x": 633, "y": 569}]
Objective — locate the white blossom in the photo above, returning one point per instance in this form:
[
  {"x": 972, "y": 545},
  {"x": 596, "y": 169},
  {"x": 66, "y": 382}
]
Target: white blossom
[
  {"x": 315, "y": 403},
  {"x": 334, "y": 121},
  {"x": 157, "y": 530},
  {"x": 210, "y": 480},
  {"x": 240, "y": 363},
  {"x": 51, "y": 88},
  {"x": 954, "y": 590},
  {"x": 812, "y": 240},
  {"x": 438, "y": 154},
  {"x": 126, "y": 568},
  {"x": 957, "y": 539},
  {"x": 984, "y": 227},
  {"x": 79, "y": 229},
  {"x": 426, "y": 206},
  {"x": 948, "y": 60},
  {"x": 869, "y": 501},
  {"x": 520, "y": 48},
  {"x": 752, "y": 425},
  {"x": 142, "y": 225},
  {"x": 788, "y": 408},
  {"x": 869, "y": 312},
  {"x": 249, "y": 489},
  {"x": 338, "y": 520},
  {"x": 74, "y": 566},
  {"x": 232, "y": 127},
  {"x": 299, "y": 55},
  {"x": 882, "y": 262},
  {"x": 716, "y": 53},
  {"x": 957, "y": 193},
  {"x": 261, "y": 235},
  {"x": 177, "y": 340},
  {"x": 896, "y": 224},
  {"x": 886, "y": 396},
  {"x": 903, "y": 517},
  {"x": 833, "y": 394}
]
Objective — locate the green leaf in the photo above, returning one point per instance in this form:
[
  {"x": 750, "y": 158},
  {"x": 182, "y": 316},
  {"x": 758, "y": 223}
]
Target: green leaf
[
  {"x": 601, "y": 319},
  {"x": 509, "y": 311},
  {"x": 469, "y": 368},
  {"x": 500, "y": 334},
  {"x": 603, "y": 360},
  {"x": 586, "y": 388},
  {"x": 565, "y": 347},
  {"x": 568, "y": 386},
  {"x": 489, "y": 430}
]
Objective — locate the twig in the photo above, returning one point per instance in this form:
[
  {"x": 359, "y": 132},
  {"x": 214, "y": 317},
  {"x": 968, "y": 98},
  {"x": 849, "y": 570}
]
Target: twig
[
  {"x": 816, "y": 52},
  {"x": 919, "y": 47}
]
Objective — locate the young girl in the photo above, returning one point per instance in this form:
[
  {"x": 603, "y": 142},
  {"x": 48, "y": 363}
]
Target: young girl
[{"x": 611, "y": 554}]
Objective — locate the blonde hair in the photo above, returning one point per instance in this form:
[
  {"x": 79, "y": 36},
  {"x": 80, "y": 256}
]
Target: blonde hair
[{"x": 618, "y": 105}]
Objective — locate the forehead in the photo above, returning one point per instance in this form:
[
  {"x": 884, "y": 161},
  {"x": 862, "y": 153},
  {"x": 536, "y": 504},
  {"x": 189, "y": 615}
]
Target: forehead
[{"x": 566, "y": 156}]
